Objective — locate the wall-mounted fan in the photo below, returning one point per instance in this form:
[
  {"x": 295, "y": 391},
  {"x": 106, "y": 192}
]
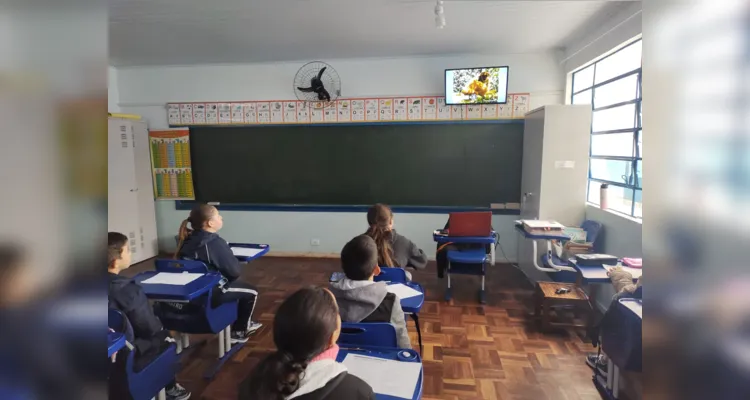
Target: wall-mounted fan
[{"x": 317, "y": 81}]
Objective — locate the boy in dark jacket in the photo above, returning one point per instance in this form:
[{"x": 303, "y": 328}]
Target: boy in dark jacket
[
  {"x": 205, "y": 244},
  {"x": 149, "y": 337},
  {"x": 360, "y": 299}
]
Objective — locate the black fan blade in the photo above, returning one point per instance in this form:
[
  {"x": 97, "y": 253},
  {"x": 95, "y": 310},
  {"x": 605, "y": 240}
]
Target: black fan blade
[
  {"x": 320, "y": 74},
  {"x": 323, "y": 95},
  {"x": 306, "y": 90}
]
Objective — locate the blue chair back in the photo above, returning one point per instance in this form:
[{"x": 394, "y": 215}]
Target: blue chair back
[
  {"x": 392, "y": 274},
  {"x": 170, "y": 265},
  {"x": 378, "y": 334},
  {"x": 157, "y": 374},
  {"x": 198, "y": 316},
  {"x": 593, "y": 230}
]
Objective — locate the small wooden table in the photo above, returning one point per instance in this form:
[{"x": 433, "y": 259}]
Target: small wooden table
[{"x": 546, "y": 297}]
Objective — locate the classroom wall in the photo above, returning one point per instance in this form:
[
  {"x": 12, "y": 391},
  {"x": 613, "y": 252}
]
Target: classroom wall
[
  {"x": 622, "y": 237},
  {"x": 113, "y": 92},
  {"x": 145, "y": 90}
]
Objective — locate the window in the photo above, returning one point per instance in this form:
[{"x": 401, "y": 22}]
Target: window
[{"x": 612, "y": 86}]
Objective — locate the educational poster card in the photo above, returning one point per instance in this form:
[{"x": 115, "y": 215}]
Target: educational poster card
[
  {"x": 186, "y": 114},
  {"x": 489, "y": 111},
  {"x": 170, "y": 162},
  {"x": 344, "y": 110},
  {"x": 443, "y": 110},
  {"x": 473, "y": 111},
  {"x": 290, "y": 112},
  {"x": 520, "y": 105},
  {"x": 330, "y": 114},
  {"x": 386, "y": 109},
  {"x": 415, "y": 108},
  {"x": 303, "y": 112},
  {"x": 400, "y": 109},
  {"x": 277, "y": 112},
  {"x": 264, "y": 112},
  {"x": 316, "y": 112},
  {"x": 238, "y": 116},
  {"x": 457, "y": 112},
  {"x": 505, "y": 111},
  {"x": 199, "y": 113},
  {"x": 225, "y": 113},
  {"x": 173, "y": 114},
  {"x": 251, "y": 115},
  {"x": 212, "y": 113},
  {"x": 429, "y": 108},
  {"x": 358, "y": 110},
  {"x": 371, "y": 109}
]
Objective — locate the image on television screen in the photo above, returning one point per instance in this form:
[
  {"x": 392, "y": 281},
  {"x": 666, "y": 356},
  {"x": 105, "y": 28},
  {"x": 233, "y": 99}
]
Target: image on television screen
[{"x": 476, "y": 85}]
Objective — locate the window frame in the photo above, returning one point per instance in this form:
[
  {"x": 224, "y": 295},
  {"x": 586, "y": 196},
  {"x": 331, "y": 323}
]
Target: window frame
[{"x": 636, "y": 159}]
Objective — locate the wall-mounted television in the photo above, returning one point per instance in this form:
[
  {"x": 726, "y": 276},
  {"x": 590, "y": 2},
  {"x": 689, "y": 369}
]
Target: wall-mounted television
[{"x": 488, "y": 85}]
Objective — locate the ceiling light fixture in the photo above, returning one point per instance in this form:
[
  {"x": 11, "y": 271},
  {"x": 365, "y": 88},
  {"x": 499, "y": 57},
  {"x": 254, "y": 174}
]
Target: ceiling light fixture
[{"x": 439, "y": 15}]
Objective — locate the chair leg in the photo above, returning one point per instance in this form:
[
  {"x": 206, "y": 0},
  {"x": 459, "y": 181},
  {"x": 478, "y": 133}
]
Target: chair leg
[
  {"x": 222, "y": 348},
  {"x": 419, "y": 332},
  {"x": 178, "y": 343},
  {"x": 162, "y": 394},
  {"x": 185, "y": 340},
  {"x": 482, "y": 297},
  {"x": 545, "y": 316},
  {"x": 228, "y": 338}
]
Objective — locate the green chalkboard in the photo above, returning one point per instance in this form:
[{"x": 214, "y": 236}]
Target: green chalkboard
[{"x": 409, "y": 164}]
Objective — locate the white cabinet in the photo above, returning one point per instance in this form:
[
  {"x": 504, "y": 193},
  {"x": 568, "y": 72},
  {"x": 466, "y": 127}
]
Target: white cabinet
[
  {"x": 130, "y": 201},
  {"x": 555, "y": 163}
]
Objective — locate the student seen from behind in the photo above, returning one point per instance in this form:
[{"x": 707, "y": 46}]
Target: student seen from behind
[
  {"x": 203, "y": 243},
  {"x": 304, "y": 367},
  {"x": 148, "y": 336},
  {"x": 394, "y": 250},
  {"x": 360, "y": 298}
]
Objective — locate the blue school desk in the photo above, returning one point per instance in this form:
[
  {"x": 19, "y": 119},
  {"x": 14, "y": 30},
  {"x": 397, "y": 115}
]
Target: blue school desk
[
  {"x": 412, "y": 306},
  {"x": 388, "y": 354},
  {"x": 264, "y": 248},
  {"x": 177, "y": 293},
  {"x": 622, "y": 345},
  {"x": 467, "y": 260},
  {"x": 548, "y": 239},
  {"x": 115, "y": 342}
]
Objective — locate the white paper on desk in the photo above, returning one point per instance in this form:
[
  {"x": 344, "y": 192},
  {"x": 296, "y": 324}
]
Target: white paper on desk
[
  {"x": 403, "y": 291},
  {"x": 172, "y": 278},
  {"x": 388, "y": 377},
  {"x": 245, "y": 252}
]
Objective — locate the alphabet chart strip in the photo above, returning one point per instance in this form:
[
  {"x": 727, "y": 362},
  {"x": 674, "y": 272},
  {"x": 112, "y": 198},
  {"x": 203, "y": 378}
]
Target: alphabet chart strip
[
  {"x": 170, "y": 163},
  {"x": 341, "y": 111}
]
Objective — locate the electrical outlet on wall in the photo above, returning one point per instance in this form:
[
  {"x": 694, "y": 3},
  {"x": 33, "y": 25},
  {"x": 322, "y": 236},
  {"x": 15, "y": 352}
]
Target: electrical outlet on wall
[{"x": 315, "y": 242}]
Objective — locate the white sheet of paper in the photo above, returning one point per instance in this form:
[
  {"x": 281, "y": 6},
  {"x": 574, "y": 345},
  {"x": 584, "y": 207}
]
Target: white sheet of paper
[
  {"x": 388, "y": 377},
  {"x": 172, "y": 278},
  {"x": 403, "y": 291},
  {"x": 244, "y": 251}
]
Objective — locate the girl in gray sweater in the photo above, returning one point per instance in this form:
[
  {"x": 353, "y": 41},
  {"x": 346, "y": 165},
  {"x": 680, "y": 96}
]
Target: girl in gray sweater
[{"x": 394, "y": 250}]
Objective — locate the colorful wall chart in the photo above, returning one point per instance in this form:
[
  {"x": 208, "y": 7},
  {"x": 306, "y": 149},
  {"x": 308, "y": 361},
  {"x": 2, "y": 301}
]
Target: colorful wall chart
[
  {"x": 374, "y": 109},
  {"x": 170, "y": 164}
]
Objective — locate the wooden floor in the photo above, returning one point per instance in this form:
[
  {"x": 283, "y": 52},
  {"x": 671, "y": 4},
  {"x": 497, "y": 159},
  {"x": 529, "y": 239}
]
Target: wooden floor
[{"x": 470, "y": 351}]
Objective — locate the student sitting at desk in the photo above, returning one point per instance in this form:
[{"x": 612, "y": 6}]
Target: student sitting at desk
[
  {"x": 149, "y": 337},
  {"x": 204, "y": 244},
  {"x": 305, "y": 330},
  {"x": 360, "y": 298},
  {"x": 394, "y": 250}
]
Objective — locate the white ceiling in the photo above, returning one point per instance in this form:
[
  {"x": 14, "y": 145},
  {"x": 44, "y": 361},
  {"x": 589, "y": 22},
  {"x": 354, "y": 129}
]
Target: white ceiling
[{"x": 184, "y": 32}]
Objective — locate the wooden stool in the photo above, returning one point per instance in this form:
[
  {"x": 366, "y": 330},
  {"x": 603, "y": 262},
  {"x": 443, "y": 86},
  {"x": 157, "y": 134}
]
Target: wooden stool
[{"x": 546, "y": 298}]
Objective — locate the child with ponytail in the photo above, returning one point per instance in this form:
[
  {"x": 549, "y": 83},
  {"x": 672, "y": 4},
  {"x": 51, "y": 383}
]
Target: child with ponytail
[
  {"x": 204, "y": 243},
  {"x": 304, "y": 367},
  {"x": 394, "y": 250}
]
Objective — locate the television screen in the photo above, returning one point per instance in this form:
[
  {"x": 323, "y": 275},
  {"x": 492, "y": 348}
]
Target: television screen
[{"x": 476, "y": 85}]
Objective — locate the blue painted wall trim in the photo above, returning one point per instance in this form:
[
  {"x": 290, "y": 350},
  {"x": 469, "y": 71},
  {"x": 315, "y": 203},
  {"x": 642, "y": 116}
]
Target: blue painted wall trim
[{"x": 189, "y": 204}]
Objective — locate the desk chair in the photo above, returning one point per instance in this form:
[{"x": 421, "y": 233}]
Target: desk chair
[
  {"x": 200, "y": 317},
  {"x": 467, "y": 262},
  {"x": 149, "y": 382},
  {"x": 593, "y": 235},
  {"x": 391, "y": 274},
  {"x": 170, "y": 265},
  {"x": 378, "y": 334}
]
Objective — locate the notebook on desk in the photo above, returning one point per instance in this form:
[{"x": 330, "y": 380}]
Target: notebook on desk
[{"x": 474, "y": 223}]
